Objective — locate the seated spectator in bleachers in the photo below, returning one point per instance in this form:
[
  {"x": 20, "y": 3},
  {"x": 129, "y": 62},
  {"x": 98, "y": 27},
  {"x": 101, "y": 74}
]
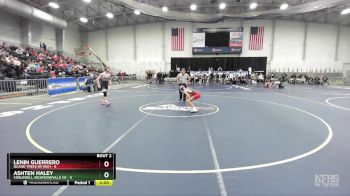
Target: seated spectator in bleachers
[
  {"x": 223, "y": 78},
  {"x": 317, "y": 80},
  {"x": 325, "y": 80},
  {"x": 260, "y": 78},
  {"x": 253, "y": 76},
  {"x": 19, "y": 51},
  {"x": 267, "y": 83},
  {"x": 17, "y": 63},
  {"x": 40, "y": 69}
]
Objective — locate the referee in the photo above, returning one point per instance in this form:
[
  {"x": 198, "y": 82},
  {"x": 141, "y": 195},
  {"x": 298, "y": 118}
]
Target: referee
[{"x": 182, "y": 79}]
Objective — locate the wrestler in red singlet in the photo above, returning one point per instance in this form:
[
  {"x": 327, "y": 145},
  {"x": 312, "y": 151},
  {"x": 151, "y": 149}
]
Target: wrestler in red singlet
[{"x": 191, "y": 96}]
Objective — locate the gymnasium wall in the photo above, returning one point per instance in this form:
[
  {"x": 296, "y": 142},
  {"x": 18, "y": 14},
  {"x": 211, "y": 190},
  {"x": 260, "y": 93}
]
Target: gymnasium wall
[
  {"x": 43, "y": 33},
  {"x": 12, "y": 27},
  {"x": 288, "y": 45},
  {"x": 72, "y": 38}
]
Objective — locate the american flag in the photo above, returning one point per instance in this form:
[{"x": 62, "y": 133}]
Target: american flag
[
  {"x": 177, "y": 39},
  {"x": 256, "y": 41}
]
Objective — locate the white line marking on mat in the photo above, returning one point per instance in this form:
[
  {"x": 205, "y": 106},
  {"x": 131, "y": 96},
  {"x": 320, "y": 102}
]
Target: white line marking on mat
[
  {"x": 129, "y": 130},
  {"x": 37, "y": 107},
  {"x": 60, "y": 191},
  {"x": 63, "y": 94},
  {"x": 41, "y": 98},
  {"x": 12, "y": 103},
  {"x": 241, "y": 87},
  {"x": 342, "y": 94},
  {"x": 221, "y": 182},
  {"x": 63, "y": 188},
  {"x": 340, "y": 87},
  {"x": 26, "y": 97},
  {"x": 208, "y": 171},
  {"x": 139, "y": 86},
  {"x": 302, "y": 99},
  {"x": 35, "y": 144},
  {"x": 184, "y": 116},
  {"x": 124, "y": 134},
  {"x": 331, "y": 104},
  {"x": 249, "y": 167}
]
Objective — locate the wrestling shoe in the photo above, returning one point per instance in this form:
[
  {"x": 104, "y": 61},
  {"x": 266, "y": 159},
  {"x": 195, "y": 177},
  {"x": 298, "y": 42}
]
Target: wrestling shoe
[{"x": 194, "y": 110}]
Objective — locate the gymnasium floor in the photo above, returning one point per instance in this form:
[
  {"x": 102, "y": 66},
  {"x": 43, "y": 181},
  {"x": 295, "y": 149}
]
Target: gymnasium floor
[{"x": 243, "y": 141}]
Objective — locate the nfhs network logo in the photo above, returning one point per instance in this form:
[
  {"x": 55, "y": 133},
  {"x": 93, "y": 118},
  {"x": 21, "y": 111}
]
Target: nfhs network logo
[{"x": 326, "y": 180}]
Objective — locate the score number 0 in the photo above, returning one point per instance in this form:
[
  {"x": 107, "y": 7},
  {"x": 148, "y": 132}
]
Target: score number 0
[{"x": 106, "y": 164}]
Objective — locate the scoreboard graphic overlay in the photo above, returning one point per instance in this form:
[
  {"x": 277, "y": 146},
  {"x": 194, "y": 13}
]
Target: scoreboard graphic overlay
[
  {"x": 84, "y": 169},
  {"x": 217, "y": 41}
]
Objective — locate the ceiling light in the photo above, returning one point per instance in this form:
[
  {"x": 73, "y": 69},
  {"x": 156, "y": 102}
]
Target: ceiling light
[
  {"x": 222, "y": 6},
  {"x": 137, "y": 12},
  {"x": 346, "y": 11},
  {"x": 54, "y": 5},
  {"x": 284, "y": 6},
  {"x": 253, "y": 5},
  {"x": 83, "y": 20},
  {"x": 193, "y": 7},
  {"x": 87, "y": 1},
  {"x": 165, "y": 9},
  {"x": 109, "y": 15}
]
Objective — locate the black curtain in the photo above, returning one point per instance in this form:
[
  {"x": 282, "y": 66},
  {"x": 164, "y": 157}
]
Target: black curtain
[{"x": 226, "y": 63}]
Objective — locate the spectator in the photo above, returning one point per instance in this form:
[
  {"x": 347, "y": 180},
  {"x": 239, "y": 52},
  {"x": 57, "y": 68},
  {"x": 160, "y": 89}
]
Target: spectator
[
  {"x": 40, "y": 69},
  {"x": 90, "y": 82},
  {"x": 17, "y": 62},
  {"x": 317, "y": 80},
  {"x": 122, "y": 75},
  {"x": 223, "y": 78},
  {"x": 325, "y": 80},
  {"x": 43, "y": 46}
]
